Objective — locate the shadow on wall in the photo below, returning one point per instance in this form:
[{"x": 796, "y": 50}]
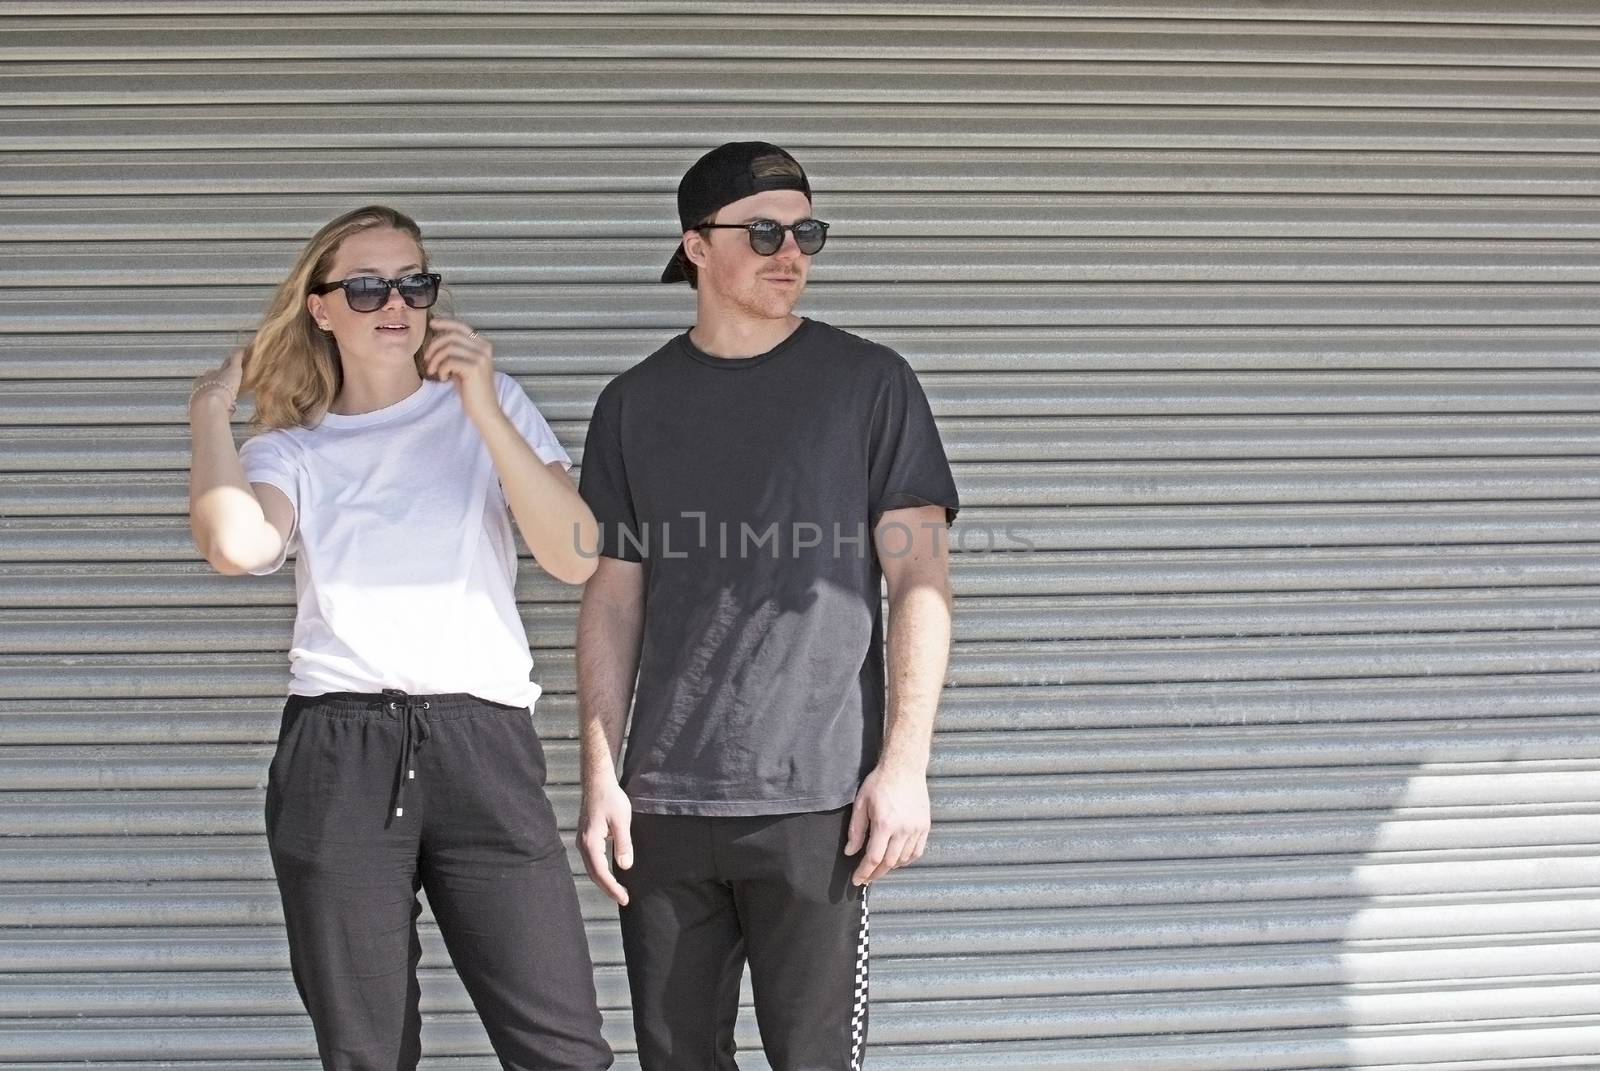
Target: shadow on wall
[{"x": 1230, "y": 821}]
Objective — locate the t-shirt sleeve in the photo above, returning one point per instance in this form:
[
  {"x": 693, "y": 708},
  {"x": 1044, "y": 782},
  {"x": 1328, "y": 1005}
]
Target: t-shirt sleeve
[
  {"x": 528, "y": 421},
  {"x": 269, "y": 459},
  {"x": 604, "y": 483},
  {"x": 907, "y": 465}
]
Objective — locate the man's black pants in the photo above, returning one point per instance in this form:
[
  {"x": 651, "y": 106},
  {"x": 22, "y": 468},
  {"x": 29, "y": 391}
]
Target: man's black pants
[
  {"x": 475, "y": 830},
  {"x": 704, "y": 895}
]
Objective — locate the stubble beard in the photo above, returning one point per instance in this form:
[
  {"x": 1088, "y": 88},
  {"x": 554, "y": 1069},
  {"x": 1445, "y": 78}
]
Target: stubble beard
[{"x": 762, "y": 302}]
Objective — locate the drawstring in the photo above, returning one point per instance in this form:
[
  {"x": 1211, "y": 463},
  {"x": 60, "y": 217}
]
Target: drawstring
[{"x": 413, "y": 731}]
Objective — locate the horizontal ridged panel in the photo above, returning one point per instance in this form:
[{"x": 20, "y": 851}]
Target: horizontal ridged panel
[
  {"x": 970, "y": 395},
  {"x": 1528, "y": 872},
  {"x": 996, "y": 531},
  {"x": 863, "y": 306},
  {"x": 145, "y": 447},
  {"x": 992, "y": 619},
  {"x": 983, "y": 484},
  {"x": 254, "y": 1038},
  {"x": 1510, "y": 762},
  {"x": 971, "y": 170},
  {"x": 139, "y": 358},
  {"x": 224, "y": 856},
  {"x": 449, "y": 1014},
  {"x": 958, "y": 754},
  {"x": 1246, "y": 1051},
  {"x": 559, "y": 124},
  {"x": 468, "y": 265},
  {"x": 992, "y": 664},
  {"x": 1162, "y": 214},
  {"x": 1456, "y": 921},
  {"x": 141, "y": 813},
  {"x": 1384, "y": 707},
  {"x": 1487, "y": 12},
  {"x": 866, "y": 36},
  {"x": 898, "y": 980},
  {"x": 1543, "y": 12},
  {"x": 1062, "y": 573}
]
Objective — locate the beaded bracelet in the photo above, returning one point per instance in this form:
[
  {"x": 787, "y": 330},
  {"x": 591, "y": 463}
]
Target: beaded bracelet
[{"x": 233, "y": 399}]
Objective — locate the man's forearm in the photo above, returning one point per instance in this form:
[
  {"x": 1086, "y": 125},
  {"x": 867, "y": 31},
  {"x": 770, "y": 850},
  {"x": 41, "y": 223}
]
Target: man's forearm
[
  {"x": 600, "y": 741},
  {"x": 608, "y": 662},
  {"x": 918, "y": 656}
]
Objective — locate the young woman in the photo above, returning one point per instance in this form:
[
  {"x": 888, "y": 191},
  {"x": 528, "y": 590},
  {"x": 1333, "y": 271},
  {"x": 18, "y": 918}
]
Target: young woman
[{"x": 391, "y": 456}]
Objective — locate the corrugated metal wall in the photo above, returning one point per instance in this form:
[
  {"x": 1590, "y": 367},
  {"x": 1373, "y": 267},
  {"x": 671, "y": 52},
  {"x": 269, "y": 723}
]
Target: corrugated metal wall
[{"x": 1270, "y": 326}]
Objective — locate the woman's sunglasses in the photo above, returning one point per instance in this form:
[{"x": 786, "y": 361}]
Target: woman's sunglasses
[
  {"x": 369, "y": 293},
  {"x": 766, "y": 235}
]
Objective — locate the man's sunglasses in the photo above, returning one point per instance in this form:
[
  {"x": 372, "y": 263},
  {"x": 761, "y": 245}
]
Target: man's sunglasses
[
  {"x": 369, "y": 293},
  {"x": 766, "y": 235}
]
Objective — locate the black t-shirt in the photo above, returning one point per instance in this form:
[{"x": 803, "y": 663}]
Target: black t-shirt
[{"x": 749, "y": 488}]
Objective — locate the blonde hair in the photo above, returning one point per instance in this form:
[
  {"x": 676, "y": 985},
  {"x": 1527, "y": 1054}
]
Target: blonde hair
[{"x": 291, "y": 365}]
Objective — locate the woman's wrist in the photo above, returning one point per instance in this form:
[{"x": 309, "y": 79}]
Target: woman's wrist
[{"x": 212, "y": 396}]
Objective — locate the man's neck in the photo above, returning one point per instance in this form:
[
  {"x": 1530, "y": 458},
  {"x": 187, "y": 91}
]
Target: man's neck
[{"x": 735, "y": 337}]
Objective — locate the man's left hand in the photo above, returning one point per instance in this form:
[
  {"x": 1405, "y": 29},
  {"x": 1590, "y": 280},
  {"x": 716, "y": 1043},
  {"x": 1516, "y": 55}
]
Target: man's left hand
[{"x": 891, "y": 817}]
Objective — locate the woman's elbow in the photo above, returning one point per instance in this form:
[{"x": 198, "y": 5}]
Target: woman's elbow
[
  {"x": 575, "y": 569},
  {"x": 231, "y": 557},
  {"x": 207, "y": 546},
  {"x": 230, "y": 564},
  {"x": 575, "y": 563}
]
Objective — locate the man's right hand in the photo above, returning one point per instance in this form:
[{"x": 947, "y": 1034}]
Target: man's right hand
[{"x": 606, "y": 815}]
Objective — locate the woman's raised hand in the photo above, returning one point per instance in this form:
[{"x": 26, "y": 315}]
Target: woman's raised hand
[
  {"x": 220, "y": 385},
  {"x": 459, "y": 353}
]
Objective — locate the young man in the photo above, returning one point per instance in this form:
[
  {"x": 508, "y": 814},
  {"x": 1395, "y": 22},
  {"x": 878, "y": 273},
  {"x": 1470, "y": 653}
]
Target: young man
[{"x": 754, "y": 481}]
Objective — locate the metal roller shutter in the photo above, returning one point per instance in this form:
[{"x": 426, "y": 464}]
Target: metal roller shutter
[{"x": 1268, "y": 327}]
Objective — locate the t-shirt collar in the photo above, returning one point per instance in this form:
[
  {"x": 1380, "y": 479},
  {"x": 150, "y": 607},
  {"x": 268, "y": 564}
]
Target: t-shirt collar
[
  {"x": 387, "y": 413},
  {"x": 736, "y": 363}
]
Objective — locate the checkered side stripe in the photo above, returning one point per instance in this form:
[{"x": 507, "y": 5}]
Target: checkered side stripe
[{"x": 858, "y": 1019}]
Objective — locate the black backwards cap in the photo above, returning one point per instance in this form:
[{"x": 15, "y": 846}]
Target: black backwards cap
[{"x": 729, "y": 173}]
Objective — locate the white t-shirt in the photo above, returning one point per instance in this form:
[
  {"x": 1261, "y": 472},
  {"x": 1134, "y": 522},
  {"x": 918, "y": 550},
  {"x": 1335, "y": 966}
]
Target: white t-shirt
[{"x": 405, "y": 565}]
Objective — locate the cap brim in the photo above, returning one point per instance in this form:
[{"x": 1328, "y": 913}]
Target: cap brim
[{"x": 674, "y": 272}]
